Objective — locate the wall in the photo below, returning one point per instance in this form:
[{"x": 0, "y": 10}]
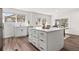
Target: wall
[
  {"x": 73, "y": 17},
  {"x": 74, "y": 22}
]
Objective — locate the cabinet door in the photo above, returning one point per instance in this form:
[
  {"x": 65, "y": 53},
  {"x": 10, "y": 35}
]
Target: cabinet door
[
  {"x": 23, "y": 31},
  {"x": 48, "y": 19},
  {"x": 20, "y": 31},
  {"x": 17, "y": 32},
  {"x": 8, "y": 29},
  {"x": 34, "y": 19}
]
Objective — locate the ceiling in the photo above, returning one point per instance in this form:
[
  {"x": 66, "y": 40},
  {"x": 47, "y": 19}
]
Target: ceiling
[{"x": 49, "y": 11}]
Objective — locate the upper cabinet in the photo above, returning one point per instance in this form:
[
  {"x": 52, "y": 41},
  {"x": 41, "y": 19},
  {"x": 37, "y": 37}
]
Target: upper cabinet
[
  {"x": 20, "y": 18},
  {"x": 27, "y": 18},
  {"x": 9, "y": 17},
  {"x": 40, "y": 19}
]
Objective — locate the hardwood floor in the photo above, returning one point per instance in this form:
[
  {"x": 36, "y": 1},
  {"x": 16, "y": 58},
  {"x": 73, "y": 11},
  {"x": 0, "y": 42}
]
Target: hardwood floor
[
  {"x": 22, "y": 44},
  {"x": 18, "y": 44},
  {"x": 71, "y": 43}
]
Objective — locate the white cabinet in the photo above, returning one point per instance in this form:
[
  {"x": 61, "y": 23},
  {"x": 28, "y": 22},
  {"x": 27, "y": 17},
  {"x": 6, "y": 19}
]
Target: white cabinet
[
  {"x": 33, "y": 37},
  {"x": 36, "y": 19},
  {"x": 48, "y": 20},
  {"x": 11, "y": 31},
  {"x": 47, "y": 40},
  {"x": 8, "y": 30},
  {"x": 20, "y": 31}
]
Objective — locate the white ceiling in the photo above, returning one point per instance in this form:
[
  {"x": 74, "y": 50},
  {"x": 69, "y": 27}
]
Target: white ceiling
[{"x": 49, "y": 11}]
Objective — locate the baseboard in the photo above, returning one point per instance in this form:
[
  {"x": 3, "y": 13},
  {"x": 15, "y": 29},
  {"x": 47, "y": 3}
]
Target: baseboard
[
  {"x": 20, "y": 37},
  {"x": 15, "y": 37},
  {"x": 72, "y": 34}
]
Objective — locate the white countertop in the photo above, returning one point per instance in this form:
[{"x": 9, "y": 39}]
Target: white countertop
[{"x": 47, "y": 30}]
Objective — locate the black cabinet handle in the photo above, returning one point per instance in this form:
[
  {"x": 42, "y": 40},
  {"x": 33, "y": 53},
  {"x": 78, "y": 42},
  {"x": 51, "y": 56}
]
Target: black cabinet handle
[{"x": 41, "y": 39}]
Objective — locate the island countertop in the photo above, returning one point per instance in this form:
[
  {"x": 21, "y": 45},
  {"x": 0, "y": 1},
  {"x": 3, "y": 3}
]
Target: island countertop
[{"x": 47, "y": 30}]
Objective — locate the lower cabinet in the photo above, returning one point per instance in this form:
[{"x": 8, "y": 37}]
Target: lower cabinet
[
  {"x": 20, "y": 31},
  {"x": 47, "y": 41},
  {"x": 42, "y": 46}
]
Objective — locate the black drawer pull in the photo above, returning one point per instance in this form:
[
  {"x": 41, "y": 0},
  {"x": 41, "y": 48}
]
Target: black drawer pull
[{"x": 41, "y": 40}]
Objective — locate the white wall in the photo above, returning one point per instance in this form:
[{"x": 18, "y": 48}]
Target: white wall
[
  {"x": 73, "y": 17},
  {"x": 74, "y": 22}
]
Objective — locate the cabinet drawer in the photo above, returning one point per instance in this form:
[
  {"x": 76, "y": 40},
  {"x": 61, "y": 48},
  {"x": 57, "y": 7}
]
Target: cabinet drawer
[
  {"x": 35, "y": 42},
  {"x": 30, "y": 31},
  {"x": 35, "y": 33},
  {"x": 42, "y": 35},
  {"x": 43, "y": 40},
  {"x": 42, "y": 47},
  {"x": 44, "y": 44}
]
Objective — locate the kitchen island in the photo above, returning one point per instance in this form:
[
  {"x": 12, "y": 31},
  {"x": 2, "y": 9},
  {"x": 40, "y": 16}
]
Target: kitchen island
[{"x": 47, "y": 39}]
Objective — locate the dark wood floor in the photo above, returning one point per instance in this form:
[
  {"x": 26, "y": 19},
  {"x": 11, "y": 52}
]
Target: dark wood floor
[
  {"x": 18, "y": 44},
  {"x": 22, "y": 44},
  {"x": 71, "y": 43}
]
